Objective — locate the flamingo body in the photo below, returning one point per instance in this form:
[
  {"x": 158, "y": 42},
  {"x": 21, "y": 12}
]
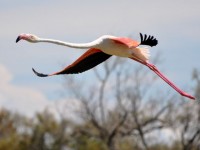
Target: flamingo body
[
  {"x": 121, "y": 47},
  {"x": 103, "y": 48}
]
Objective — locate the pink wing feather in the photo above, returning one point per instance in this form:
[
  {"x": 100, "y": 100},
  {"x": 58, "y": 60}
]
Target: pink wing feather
[{"x": 126, "y": 41}]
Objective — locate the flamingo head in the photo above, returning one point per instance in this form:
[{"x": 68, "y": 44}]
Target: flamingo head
[{"x": 28, "y": 37}]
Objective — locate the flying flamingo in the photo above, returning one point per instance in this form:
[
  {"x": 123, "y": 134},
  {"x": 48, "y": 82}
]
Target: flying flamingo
[{"x": 103, "y": 48}]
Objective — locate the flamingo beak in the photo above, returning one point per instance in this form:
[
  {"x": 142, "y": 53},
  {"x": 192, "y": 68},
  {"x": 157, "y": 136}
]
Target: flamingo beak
[
  {"x": 18, "y": 39},
  {"x": 22, "y": 37}
]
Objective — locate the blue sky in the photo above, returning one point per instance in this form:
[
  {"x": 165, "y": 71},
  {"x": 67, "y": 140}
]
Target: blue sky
[{"x": 176, "y": 25}]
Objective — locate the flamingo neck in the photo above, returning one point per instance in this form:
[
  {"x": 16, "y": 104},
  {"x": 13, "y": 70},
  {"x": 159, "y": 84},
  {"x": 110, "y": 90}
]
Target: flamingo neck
[{"x": 68, "y": 44}]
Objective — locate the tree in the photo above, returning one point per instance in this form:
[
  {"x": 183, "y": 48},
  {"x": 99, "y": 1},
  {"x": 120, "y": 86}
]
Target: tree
[
  {"x": 13, "y": 130},
  {"x": 134, "y": 114},
  {"x": 44, "y": 132},
  {"x": 187, "y": 120},
  {"x": 117, "y": 112}
]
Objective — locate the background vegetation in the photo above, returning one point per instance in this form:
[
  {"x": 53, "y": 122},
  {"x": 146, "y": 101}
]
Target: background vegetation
[{"x": 120, "y": 111}]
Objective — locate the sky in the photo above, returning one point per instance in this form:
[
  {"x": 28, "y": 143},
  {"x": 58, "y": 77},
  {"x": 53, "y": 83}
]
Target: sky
[{"x": 175, "y": 23}]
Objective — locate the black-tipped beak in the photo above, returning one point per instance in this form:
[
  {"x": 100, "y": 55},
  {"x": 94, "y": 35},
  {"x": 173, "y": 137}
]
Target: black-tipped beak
[{"x": 18, "y": 39}]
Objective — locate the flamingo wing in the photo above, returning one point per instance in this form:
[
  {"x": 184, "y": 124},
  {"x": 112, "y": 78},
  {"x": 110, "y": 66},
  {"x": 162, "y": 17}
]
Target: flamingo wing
[
  {"x": 126, "y": 42},
  {"x": 145, "y": 40},
  {"x": 88, "y": 60},
  {"x": 148, "y": 40}
]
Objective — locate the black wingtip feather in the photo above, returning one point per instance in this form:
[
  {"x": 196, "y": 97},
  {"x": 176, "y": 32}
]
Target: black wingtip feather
[
  {"x": 39, "y": 74},
  {"x": 150, "y": 40},
  {"x": 141, "y": 37}
]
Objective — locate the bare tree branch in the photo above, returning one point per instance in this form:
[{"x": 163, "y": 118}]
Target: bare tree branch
[{"x": 115, "y": 129}]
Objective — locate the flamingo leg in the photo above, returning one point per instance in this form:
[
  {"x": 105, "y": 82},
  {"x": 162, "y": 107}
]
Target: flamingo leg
[{"x": 162, "y": 76}]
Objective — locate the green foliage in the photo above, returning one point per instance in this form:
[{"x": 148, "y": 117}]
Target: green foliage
[
  {"x": 83, "y": 142},
  {"x": 43, "y": 132}
]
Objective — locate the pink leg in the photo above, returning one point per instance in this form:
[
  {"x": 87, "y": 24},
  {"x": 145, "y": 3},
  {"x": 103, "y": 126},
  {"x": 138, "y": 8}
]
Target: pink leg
[{"x": 154, "y": 68}]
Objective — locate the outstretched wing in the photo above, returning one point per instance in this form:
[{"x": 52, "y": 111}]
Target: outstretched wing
[
  {"x": 88, "y": 60},
  {"x": 150, "y": 40}
]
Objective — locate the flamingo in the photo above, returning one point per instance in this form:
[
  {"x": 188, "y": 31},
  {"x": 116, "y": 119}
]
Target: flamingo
[{"x": 103, "y": 48}]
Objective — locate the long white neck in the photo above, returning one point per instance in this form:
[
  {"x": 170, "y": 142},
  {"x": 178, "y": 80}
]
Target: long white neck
[{"x": 68, "y": 44}]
